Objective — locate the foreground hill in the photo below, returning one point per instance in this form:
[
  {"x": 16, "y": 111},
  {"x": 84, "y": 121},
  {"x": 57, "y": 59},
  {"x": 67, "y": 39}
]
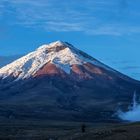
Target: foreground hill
[{"x": 46, "y": 130}]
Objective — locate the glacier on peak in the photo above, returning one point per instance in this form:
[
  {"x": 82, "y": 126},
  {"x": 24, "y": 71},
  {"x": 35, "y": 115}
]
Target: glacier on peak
[{"x": 62, "y": 54}]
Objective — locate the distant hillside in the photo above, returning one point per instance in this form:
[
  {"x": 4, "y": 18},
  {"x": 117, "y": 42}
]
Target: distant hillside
[{"x": 4, "y": 60}]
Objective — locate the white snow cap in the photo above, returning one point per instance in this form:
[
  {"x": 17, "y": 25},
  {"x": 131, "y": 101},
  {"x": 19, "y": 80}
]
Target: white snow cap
[{"x": 62, "y": 54}]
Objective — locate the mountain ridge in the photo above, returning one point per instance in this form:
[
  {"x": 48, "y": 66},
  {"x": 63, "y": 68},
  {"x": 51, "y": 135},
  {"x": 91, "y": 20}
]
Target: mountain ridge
[{"x": 59, "y": 53}]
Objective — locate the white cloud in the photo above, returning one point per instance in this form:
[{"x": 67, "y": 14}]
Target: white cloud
[
  {"x": 92, "y": 17},
  {"x": 133, "y": 114},
  {"x": 113, "y": 29}
]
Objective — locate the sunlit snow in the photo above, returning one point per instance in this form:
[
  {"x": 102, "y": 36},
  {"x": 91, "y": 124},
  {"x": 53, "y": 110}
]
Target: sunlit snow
[{"x": 28, "y": 65}]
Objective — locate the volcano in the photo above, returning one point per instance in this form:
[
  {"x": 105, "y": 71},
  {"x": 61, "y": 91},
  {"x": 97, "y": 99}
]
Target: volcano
[{"x": 59, "y": 82}]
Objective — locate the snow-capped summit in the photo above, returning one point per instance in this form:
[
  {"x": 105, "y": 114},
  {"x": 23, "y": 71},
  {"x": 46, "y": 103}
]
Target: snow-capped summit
[
  {"x": 63, "y": 55},
  {"x": 52, "y": 45},
  {"x": 58, "y": 81}
]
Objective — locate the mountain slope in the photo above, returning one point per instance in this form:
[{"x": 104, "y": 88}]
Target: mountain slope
[{"x": 58, "y": 81}]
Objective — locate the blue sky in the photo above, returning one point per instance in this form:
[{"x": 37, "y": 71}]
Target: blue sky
[{"x": 109, "y": 30}]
